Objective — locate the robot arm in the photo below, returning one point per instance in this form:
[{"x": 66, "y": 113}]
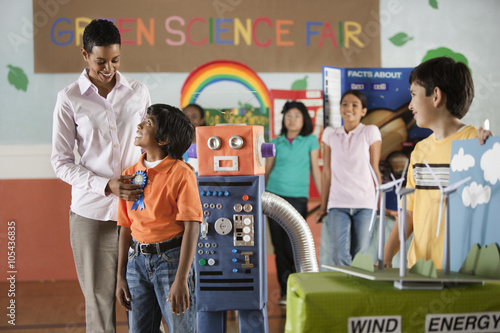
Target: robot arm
[{"x": 297, "y": 229}]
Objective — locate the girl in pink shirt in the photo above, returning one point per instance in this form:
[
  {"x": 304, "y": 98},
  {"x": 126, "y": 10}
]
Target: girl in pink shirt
[{"x": 348, "y": 190}]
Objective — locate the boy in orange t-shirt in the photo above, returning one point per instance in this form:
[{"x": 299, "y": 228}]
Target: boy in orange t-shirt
[{"x": 159, "y": 233}]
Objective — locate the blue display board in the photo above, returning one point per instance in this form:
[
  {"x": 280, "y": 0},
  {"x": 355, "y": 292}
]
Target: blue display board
[
  {"x": 384, "y": 88},
  {"x": 475, "y": 207}
]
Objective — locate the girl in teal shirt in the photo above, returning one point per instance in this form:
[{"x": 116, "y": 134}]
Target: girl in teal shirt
[{"x": 287, "y": 175}]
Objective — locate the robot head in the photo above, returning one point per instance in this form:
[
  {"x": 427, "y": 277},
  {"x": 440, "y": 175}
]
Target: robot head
[{"x": 232, "y": 150}]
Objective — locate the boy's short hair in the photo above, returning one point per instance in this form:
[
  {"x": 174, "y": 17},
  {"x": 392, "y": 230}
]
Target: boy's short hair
[
  {"x": 452, "y": 77},
  {"x": 307, "y": 127},
  {"x": 198, "y": 108},
  {"x": 173, "y": 127},
  {"x": 100, "y": 33},
  {"x": 397, "y": 159},
  {"x": 356, "y": 93}
]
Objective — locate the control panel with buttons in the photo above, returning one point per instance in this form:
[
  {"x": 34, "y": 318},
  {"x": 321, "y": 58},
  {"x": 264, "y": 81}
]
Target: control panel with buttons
[{"x": 231, "y": 256}]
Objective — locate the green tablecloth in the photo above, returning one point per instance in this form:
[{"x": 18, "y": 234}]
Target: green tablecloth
[{"x": 324, "y": 302}]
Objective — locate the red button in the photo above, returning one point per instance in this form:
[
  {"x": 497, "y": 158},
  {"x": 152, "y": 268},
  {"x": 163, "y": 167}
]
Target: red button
[{"x": 245, "y": 198}]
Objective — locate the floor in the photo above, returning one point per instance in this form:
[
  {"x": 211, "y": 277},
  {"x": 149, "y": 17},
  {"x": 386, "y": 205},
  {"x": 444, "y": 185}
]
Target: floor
[{"x": 58, "y": 306}]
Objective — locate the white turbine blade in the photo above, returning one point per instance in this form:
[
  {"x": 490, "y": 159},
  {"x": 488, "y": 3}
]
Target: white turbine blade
[
  {"x": 373, "y": 173},
  {"x": 440, "y": 213},
  {"x": 407, "y": 190},
  {"x": 405, "y": 170},
  {"x": 407, "y": 163},
  {"x": 398, "y": 189},
  {"x": 452, "y": 188},
  {"x": 390, "y": 185},
  {"x": 434, "y": 176},
  {"x": 374, "y": 212},
  {"x": 400, "y": 185}
]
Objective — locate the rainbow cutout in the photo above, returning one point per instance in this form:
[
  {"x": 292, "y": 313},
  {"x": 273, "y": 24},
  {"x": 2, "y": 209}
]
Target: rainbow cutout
[{"x": 225, "y": 70}]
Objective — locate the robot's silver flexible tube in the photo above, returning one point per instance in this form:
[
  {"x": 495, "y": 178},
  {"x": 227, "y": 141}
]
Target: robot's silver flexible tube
[{"x": 297, "y": 229}]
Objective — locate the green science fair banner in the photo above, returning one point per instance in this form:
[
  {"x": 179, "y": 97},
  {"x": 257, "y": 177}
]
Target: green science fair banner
[{"x": 178, "y": 36}]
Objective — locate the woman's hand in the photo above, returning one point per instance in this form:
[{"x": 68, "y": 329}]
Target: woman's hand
[{"x": 122, "y": 188}]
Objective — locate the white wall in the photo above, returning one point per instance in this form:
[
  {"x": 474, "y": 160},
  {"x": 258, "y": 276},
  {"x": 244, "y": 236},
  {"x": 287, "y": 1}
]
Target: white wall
[{"x": 471, "y": 28}]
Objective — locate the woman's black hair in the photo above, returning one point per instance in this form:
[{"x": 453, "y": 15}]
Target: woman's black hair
[
  {"x": 100, "y": 33},
  {"x": 307, "y": 127},
  {"x": 356, "y": 93},
  {"x": 173, "y": 127}
]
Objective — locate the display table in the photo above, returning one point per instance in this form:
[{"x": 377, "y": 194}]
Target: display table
[{"x": 335, "y": 302}]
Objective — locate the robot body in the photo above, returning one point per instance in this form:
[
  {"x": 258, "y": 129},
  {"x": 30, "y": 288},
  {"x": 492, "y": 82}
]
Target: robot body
[{"x": 230, "y": 260}]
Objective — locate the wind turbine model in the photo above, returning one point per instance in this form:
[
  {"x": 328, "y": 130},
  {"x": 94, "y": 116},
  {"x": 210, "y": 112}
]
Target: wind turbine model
[
  {"x": 445, "y": 193},
  {"x": 401, "y": 197},
  {"x": 381, "y": 229},
  {"x": 402, "y": 193}
]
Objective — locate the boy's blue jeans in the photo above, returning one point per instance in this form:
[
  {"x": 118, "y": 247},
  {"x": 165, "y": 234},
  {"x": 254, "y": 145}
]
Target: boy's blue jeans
[
  {"x": 149, "y": 278},
  {"x": 348, "y": 233}
]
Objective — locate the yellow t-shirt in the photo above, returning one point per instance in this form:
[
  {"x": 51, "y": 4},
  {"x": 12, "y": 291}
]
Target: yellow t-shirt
[{"x": 425, "y": 200}]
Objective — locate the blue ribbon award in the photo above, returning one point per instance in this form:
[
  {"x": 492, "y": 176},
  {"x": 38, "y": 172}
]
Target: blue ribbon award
[{"x": 140, "y": 178}]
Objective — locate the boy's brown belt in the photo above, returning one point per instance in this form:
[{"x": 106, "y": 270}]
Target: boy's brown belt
[{"x": 157, "y": 248}]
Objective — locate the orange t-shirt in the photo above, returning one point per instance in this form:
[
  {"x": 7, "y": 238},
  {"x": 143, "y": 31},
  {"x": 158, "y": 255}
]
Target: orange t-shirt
[{"x": 170, "y": 197}]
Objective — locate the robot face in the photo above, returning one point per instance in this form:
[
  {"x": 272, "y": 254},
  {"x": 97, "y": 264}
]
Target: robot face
[{"x": 232, "y": 150}]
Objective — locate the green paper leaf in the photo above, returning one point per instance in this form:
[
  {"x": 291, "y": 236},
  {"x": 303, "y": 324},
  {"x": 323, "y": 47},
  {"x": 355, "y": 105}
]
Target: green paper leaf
[
  {"x": 400, "y": 39},
  {"x": 17, "y": 78},
  {"x": 446, "y": 52},
  {"x": 433, "y": 3},
  {"x": 300, "y": 84}
]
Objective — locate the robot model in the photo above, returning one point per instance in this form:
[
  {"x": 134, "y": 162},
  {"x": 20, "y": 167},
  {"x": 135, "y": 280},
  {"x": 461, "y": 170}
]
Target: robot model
[{"x": 230, "y": 261}]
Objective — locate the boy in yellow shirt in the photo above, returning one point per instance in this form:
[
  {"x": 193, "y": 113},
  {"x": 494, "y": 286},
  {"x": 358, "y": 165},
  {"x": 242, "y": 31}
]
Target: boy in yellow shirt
[{"x": 442, "y": 91}]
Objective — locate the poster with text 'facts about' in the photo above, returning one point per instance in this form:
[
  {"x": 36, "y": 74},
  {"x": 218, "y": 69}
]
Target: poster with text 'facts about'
[{"x": 387, "y": 91}]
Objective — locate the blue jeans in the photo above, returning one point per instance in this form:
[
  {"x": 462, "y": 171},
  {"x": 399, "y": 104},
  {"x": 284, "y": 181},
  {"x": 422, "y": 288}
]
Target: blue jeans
[
  {"x": 348, "y": 233},
  {"x": 149, "y": 278}
]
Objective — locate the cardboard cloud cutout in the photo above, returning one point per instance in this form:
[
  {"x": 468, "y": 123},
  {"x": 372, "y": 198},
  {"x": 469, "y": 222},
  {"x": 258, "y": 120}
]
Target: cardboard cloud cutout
[
  {"x": 462, "y": 162},
  {"x": 489, "y": 164},
  {"x": 475, "y": 210},
  {"x": 475, "y": 194}
]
